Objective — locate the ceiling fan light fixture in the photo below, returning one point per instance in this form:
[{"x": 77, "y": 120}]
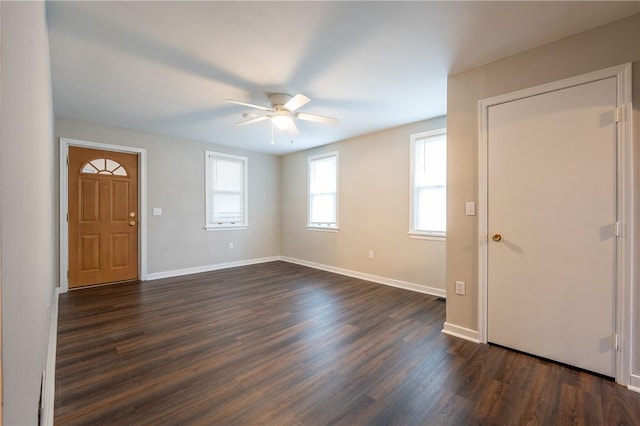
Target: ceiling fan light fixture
[{"x": 281, "y": 121}]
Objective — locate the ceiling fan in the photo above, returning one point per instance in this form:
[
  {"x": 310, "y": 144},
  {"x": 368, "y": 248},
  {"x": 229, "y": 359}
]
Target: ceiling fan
[{"x": 282, "y": 113}]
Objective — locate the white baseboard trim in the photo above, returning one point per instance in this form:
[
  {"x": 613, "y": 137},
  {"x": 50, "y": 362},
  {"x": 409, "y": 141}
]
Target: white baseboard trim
[
  {"x": 209, "y": 268},
  {"x": 49, "y": 385},
  {"x": 368, "y": 277},
  {"x": 461, "y": 332},
  {"x": 634, "y": 384}
]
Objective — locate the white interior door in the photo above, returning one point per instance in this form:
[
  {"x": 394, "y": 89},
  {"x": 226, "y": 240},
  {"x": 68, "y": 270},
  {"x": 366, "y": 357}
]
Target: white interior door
[{"x": 552, "y": 198}]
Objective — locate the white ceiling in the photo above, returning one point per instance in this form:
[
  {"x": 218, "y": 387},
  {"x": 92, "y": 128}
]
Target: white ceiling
[{"x": 166, "y": 67}]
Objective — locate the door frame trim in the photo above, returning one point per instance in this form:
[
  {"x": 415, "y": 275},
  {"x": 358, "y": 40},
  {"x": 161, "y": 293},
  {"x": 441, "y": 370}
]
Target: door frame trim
[
  {"x": 65, "y": 143},
  {"x": 625, "y": 248}
]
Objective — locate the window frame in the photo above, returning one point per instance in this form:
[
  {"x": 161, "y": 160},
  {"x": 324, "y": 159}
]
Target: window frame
[
  {"x": 319, "y": 226},
  {"x": 413, "y": 206},
  {"x": 210, "y": 157}
]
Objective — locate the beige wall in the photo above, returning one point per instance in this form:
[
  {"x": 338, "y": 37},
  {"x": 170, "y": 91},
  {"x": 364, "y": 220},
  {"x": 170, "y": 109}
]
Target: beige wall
[
  {"x": 373, "y": 210},
  {"x": 27, "y": 169},
  {"x": 175, "y": 183},
  {"x": 610, "y": 45}
]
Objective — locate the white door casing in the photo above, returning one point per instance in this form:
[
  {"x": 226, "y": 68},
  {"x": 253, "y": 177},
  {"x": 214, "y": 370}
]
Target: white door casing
[{"x": 518, "y": 249}]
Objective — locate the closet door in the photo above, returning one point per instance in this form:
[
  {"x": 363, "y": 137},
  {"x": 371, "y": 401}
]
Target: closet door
[{"x": 552, "y": 225}]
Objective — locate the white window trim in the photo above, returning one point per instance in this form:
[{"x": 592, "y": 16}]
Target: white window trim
[
  {"x": 413, "y": 233},
  {"x": 322, "y": 228},
  {"x": 432, "y": 236},
  {"x": 316, "y": 226},
  {"x": 207, "y": 175}
]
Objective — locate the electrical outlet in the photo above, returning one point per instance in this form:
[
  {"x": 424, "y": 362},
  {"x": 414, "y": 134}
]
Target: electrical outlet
[
  {"x": 370, "y": 254},
  {"x": 461, "y": 288},
  {"x": 230, "y": 246}
]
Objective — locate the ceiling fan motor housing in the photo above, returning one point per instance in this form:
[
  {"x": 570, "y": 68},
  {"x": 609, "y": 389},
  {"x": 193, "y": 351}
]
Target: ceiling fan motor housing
[{"x": 278, "y": 100}]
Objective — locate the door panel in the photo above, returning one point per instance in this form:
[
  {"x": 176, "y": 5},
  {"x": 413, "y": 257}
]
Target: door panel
[
  {"x": 120, "y": 250},
  {"x": 103, "y": 217},
  {"x": 120, "y": 207},
  {"x": 90, "y": 252},
  {"x": 89, "y": 200},
  {"x": 551, "y": 192}
]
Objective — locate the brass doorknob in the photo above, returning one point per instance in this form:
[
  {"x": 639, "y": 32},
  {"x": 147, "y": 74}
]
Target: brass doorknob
[
  {"x": 497, "y": 238},
  {"x": 132, "y": 223}
]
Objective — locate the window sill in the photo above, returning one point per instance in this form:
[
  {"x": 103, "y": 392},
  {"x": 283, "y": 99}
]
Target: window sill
[
  {"x": 323, "y": 228},
  {"x": 226, "y": 228},
  {"x": 425, "y": 236}
]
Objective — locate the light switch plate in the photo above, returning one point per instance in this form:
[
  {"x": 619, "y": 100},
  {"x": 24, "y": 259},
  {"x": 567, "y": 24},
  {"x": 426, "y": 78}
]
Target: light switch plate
[
  {"x": 461, "y": 288},
  {"x": 157, "y": 211},
  {"x": 470, "y": 208}
]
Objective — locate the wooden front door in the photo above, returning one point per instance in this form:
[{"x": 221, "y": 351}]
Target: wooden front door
[{"x": 103, "y": 217}]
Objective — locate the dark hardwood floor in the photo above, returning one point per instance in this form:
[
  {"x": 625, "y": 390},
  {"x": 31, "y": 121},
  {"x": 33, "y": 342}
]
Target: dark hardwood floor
[{"x": 282, "y": 344}]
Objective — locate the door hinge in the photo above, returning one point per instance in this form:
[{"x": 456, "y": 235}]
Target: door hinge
[
  {"x": 67, "y": 217},
  {"x": 67, "y": 160},
  {"x": 67, "y": 274},
  {"x": 618, "y": 114},
  {"x": 616, "y": 342},
  {"x": 618, "y": 229}
]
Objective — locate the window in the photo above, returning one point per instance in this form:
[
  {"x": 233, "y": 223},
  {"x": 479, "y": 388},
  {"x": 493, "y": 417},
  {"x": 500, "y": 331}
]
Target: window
[
  {"x": 103, "y": 166},
  {"x": 226, "y": 191},
  {"x": 429, "y": 184},
  {"x": 323, "y": 191}
]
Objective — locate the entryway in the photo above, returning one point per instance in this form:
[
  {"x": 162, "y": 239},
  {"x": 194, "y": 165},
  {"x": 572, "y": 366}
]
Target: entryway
[{"x": 102, "y": 200}]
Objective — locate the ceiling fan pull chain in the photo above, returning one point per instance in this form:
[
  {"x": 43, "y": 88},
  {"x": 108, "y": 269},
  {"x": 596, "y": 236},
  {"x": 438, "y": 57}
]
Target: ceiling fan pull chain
[{"x": 272, "y": 142}]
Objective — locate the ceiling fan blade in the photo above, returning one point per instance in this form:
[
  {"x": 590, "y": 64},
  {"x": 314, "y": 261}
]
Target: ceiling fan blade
[
  {"x": 253, "y": 120},
  {"x": 317, "y": 118},
  {"x": 292, "y": 129},
  {"x": 231, "y": 101},
  {"x": 296, "y": 102}
]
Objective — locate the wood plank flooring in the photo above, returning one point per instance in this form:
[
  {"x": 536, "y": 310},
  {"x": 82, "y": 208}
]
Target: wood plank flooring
[{"x": 282, "y": 344}]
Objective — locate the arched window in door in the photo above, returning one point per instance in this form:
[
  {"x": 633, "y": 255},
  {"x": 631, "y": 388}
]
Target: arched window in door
[{"x": 103, "y": 166}]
